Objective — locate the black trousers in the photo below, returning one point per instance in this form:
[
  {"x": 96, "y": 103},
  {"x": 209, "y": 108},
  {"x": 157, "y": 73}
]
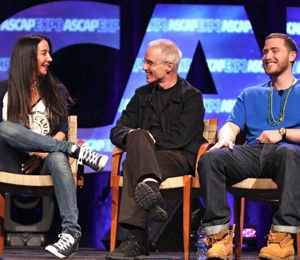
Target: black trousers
[{"x": 143, "y": 160}]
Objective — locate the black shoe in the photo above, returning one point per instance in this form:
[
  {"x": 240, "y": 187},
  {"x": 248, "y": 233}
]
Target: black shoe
[
  {"x": 151, "y": 201},
  {"x": 67, "y": 245},
  {"x": 96, "y": 161},
  {"x": 129, "y": 249}
]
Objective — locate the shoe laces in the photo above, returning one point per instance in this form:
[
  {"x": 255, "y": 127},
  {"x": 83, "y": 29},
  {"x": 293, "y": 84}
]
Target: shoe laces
[
  {"x": 83, "y": 146},
  {"x": 88, "y": 156},
  {"x": 278, "y": 238},
  {"x": 211, "y": 240},
  {"x": 65, "y": 241}
]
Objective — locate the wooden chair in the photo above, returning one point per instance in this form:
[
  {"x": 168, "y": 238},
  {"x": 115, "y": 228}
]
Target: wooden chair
[
  {"x": 186, "y": 182},
  {"x": 37, "y": 185},
  {"x": 253, "y": 189}
]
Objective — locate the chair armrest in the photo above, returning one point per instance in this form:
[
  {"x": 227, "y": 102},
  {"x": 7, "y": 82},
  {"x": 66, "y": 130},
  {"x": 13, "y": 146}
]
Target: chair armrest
[
  {"x": 203, "y": 148},
  {"x": 115, "y": 169},
  {"x": 80, "y": 170}
]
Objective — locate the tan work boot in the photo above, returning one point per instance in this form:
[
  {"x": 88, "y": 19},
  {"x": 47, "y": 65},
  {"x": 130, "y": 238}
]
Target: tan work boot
[
  {"x": 220, "y": 245},
  {"x": 280, "y": 246}
]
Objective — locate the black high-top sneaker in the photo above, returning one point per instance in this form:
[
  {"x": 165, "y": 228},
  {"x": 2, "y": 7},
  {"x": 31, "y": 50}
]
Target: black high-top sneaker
[
  {"x": 96, "y": 161},
  {"x": 66, "y": 246}
]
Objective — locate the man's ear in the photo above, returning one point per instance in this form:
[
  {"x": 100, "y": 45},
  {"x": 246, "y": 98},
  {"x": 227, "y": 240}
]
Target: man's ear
[
  {"x": 170, "y": 66},
  {"x": 293, "y": 56}
]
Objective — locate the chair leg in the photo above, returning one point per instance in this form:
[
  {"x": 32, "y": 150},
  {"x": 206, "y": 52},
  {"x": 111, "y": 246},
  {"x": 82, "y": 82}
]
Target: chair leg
[
  {"x": 242, "y": 219},
  {"x": 239, "y": 211},
  {"x": 298, "y": 244},
  {"x": 146, "y": 239},
  {"x": 114, "y": 212},
  {"x": 2, "y": 208},
  {"x": 187, "y": 190}
]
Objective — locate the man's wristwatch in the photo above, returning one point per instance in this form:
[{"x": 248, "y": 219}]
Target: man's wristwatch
[{"x": 282, "y": 132}]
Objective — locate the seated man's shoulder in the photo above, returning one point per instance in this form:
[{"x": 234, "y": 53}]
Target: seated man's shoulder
[
  {"x": 189, "y": 89},
  {"x": 258, "y": 89},
  {"x": 145, "y": 88},
  {"x": 187, "y": 86}
]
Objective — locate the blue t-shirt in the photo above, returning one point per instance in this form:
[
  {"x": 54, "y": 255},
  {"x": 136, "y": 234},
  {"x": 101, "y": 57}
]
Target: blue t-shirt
[{"x": 250, "y": 111}]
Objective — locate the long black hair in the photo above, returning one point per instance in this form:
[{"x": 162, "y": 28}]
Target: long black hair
[{"x": 22, "y": 74}]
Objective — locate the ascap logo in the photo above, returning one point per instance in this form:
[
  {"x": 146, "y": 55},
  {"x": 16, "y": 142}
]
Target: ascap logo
[
  {"x": 293, "y": 28},
  {"x": 61, "y": 25},
  {"x": 4, "y": 64},
  {"x": 235, "y": 65},
  {"x": 199, "y": 25},
  {"x": 218, "y": 105}
]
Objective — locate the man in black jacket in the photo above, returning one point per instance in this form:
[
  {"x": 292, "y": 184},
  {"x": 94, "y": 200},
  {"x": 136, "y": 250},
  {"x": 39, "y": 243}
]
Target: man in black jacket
[{"x": 161, "y": 130}]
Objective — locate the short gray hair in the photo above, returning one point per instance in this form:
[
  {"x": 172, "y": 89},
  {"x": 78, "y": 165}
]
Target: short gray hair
[{"x": 169, "y": 49}]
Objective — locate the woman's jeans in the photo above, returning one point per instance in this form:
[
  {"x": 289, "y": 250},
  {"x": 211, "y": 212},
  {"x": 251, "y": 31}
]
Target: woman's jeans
[
  {"x": 15, "y": 144},
  {"x": 219, "y": 168}
]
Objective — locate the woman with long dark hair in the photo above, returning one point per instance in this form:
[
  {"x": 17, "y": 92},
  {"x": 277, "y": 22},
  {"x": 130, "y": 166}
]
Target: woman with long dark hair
[{"x": 34, "y": 130}]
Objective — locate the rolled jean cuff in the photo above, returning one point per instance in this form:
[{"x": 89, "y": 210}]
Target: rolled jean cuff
[
  {"x": 286, "y": 229},
  {"x": 213, "y": 230}
]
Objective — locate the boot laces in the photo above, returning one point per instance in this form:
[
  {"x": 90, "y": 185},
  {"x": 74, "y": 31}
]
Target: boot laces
[
  {"x": 65, "y": 241},
  {"x": 211, "y": 240},
  {"x": 272, "y": 238}
]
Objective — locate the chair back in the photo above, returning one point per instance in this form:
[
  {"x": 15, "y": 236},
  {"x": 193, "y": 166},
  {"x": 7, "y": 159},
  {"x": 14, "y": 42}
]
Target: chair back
[
  {"x": 210, "y": 130},
  {"x": 180, "y": 185},
  {"x": 210, "y": 134}
]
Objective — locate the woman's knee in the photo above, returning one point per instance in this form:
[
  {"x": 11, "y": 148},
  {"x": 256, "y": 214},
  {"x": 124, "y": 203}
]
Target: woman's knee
[
  {"x": 7, "y": 127},
  {"x": 57, "y": 160}
]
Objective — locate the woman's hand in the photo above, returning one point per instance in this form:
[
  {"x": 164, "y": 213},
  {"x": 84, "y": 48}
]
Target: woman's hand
[
  {"x": 32, "y": 163},
  {"x": 35, "y": 159}
]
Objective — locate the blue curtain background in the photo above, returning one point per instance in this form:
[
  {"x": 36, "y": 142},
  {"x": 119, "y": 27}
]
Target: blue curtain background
[{"x": 115, "y": 66}]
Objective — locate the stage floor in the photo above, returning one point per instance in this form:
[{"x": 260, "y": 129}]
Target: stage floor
[{"x": 87, "y": 254}]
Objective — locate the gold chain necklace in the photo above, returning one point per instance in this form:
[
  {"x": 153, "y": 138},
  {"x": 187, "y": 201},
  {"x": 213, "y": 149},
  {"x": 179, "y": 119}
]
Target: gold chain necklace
[{"x": 271, "y": 119}]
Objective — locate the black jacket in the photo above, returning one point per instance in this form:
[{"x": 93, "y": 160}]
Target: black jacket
[{"x": 181, "y": 119}]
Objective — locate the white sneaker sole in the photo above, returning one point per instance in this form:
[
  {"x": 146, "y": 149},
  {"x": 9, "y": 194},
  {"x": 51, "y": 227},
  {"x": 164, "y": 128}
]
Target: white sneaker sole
[
  {"x": 102, "y": 163},
  {"x": 53, "y": 251}
]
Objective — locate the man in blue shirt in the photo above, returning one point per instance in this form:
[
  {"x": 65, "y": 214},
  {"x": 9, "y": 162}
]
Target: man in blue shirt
[{"x": 269, "y": 114}]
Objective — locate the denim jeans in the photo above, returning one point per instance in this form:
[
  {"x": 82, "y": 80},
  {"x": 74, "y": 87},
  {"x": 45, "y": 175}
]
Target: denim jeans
[
  {"x": 219, "y": 168},
  {"x": 15, "y": 144}
]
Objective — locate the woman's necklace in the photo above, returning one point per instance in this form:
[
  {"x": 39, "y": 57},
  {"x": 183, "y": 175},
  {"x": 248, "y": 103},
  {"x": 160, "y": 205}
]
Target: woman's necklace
[
  {"x": 280, "y": 119},
  {"x": 35, "y": 88}
]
